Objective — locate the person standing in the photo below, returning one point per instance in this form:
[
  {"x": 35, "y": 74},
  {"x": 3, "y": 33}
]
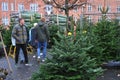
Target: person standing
[
  {"x": 19, "y": 32},
  {"x": 21, "y": 56},
  {"x": 32, "y": 35},
  {"x": 42, "y": 37},
  {"x": 32, "y": 40}
]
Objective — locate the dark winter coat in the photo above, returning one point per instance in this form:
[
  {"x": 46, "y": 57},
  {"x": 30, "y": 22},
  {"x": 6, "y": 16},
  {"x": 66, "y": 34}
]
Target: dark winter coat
[{"x": 41, "y": 32}]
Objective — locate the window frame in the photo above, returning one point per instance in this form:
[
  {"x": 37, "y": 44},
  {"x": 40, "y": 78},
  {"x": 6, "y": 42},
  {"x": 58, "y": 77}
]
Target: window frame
[
  {"x": 99, "y": 7},
  {"x": 12, "y": 6},
  {"x": 4, "y": 6},
  {"x": 118, "y": 8},
  {"x": 89, "y": 8},
  {"x": 89, "y": 19},
  {"x": 21, "y": 7},
  {"x": 5, "y": 20},
  {"x": 33, "y": 7}
]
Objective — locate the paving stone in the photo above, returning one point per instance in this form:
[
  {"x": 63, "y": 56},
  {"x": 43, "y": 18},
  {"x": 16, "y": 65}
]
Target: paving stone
[{"x": 24, "y": 72}]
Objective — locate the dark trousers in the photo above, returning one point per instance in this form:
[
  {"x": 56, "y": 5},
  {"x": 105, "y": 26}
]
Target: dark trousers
[{"x": 24, "y": 48}]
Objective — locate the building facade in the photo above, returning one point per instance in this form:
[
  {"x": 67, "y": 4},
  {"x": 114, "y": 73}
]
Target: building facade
[
  {"x": 15, "y": 6},
  {"x": 92, "y": 10}
]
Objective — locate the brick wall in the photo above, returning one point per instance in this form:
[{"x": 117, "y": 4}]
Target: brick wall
[{"x": 94, "y": 13}]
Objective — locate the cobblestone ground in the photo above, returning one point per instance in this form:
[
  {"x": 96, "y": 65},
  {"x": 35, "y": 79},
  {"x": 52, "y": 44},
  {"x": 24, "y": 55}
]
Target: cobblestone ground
[
  {"x": 110, "y": 74},
  {"x": 24, "y": 73}
]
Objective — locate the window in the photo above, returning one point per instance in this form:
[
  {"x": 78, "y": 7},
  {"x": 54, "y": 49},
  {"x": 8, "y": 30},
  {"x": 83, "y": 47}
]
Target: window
[
  {"x": 4, "y": 6},
  {"x": 118, "y": 18},
  {"x": 83, "y": 8},
  {"x": 75, "y": 9},
  {"x": 90, "y": 19},
  {"x": 5, "y": 20},
  {"x": 61, "y": 10},
  {"x": 20, "y": 7},
  {"x": 118, "y": 8},
  {"x": 109, "y": 8},
  {"x": 75, "y": 19},
  {"x": 12, "y": 7},
  {"x": 89, "y": 8},
  {"x": 34, "y": 7},
  {"x": 99, "y": 18},
  {"x": 99, "y": 7},
  {"x": 49, "y": 9}
]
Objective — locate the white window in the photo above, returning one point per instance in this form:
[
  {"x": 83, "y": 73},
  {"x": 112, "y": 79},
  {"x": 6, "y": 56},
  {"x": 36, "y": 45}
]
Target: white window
[
  {"x": 99, "y": 8},
  {"x": 83, "y": 8},
  {"x": 20, "y": 7},
  {"x": 118, "y": 18},
  {"x": 4, "y": 6},
  {"x": 109, "y": 8},
  {"x": 12, "y": 7},
  {"x": 49, "y": 9},
  {"x": 5, "y": 20},
  {"x": 76, "y": 9},
  {"x": 99, "y": 18},
  {"x": 75, "y": 19},
  {"x": 90, "y": 18},
  {"x": 118, "y": 8},
  {"x": 89, "y": 8},
  {"x": 34, "y": 7}
]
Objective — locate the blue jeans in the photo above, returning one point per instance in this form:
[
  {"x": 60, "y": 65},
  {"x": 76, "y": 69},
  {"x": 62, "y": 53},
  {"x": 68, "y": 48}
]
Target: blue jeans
[{"x": 42, "y": 45}]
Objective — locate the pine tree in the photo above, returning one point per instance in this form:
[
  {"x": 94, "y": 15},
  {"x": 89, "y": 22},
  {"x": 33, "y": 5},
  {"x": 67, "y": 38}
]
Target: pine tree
[
  {"x": 7, "y": 35},
  {"x": 69, "y": 61},
  {"x": 106, "y": 41}
]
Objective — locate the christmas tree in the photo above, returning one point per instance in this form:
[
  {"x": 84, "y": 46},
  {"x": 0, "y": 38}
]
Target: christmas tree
[
  {"x": 106, "y": 40},
  {"x": 69, "y": 61}
]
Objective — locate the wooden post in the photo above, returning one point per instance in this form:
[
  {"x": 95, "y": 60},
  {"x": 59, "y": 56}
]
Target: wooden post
[{"x": 6, "y": 53}]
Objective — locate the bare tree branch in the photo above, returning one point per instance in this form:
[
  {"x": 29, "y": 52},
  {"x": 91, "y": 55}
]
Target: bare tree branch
[
  {"x": 70, "y": 4},
  {"x": 55, "y": 6},
  {"x": 74, "y": 1},
  {"x": 80, "y": 4},
  {"x": 75, "y": 5},
  {"x": 58, "y": 5}
]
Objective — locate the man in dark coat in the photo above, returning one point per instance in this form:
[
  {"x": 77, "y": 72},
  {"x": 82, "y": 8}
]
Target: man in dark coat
[{"x": 42, "y": 37}]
